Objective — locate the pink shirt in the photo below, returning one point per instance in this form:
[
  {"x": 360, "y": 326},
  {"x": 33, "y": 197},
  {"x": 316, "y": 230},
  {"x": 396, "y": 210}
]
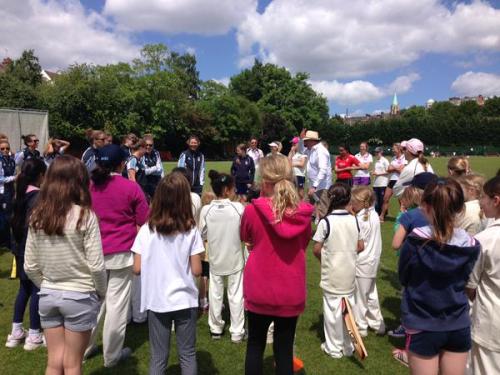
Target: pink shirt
[
  {"x": 274, "y": 281},
  {"x": 120, "y": 206}
]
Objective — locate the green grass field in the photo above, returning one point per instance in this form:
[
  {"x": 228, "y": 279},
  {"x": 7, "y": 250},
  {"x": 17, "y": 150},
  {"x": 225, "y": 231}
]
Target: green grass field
[{"x": 223, "y": 357}]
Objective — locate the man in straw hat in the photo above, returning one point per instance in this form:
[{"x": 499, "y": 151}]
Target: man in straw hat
[{"x": 319, "y": 170}]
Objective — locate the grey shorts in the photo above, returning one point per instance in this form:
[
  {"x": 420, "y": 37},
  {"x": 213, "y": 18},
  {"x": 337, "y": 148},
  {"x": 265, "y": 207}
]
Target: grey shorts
[{"x": 75, "y": 311}]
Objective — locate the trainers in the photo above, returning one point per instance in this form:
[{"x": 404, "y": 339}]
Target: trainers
[
  {"x": 15, "y": 338},
  {"x": 239, "y": 340},
  {"x": 124, "y": 354},
  {"x": 216, "y": 336},
  {"x": 336, "y": 356},
  {"x": 363, "y": 333},
  {"x": 33, "y": 342},
  {"x": 270, "y": 338},
  {"x": 398, "y": 332},
  {"x": 380, "y": 331}
]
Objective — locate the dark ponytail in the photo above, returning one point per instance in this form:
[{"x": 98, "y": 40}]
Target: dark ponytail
[
  {"x": 100, "y": 174},
  {"x": 31, "y": 171},
  {"x": 27, "y": 138},
  {"x": 422, "y": 160},
  {"x": 339, "y": 195},
  {"x": 219, "y": 181}
]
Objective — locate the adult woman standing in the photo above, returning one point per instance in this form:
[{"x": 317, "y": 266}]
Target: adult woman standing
[
  {"x": 64, "y": 259},
  {"x": 154, "y": 167},
  {"x": 298, "y": 161},
  {"x": 30, "y": 151},
  {"x": 7, "y": 178},
  {"x": 398, "y": 163},
  {"x": 417, "y": 163},
  {"x": 53, "y": 149},
  {"x": 344, "y": 164},
  {"x": 27, "y": 189},
  {"x": 362, "y": 175},
  {"x": 121, "y": 207},
  {"x": 278, "y": 227},
  {"x": 96, "y": 139}
]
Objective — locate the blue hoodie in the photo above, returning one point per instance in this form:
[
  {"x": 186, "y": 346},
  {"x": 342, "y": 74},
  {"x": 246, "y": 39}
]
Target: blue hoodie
[{"x": 434, "y": 277}]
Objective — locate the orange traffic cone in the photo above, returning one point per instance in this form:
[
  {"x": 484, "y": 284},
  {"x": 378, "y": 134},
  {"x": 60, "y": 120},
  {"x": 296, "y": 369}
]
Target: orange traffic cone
[{"x": 298, "y": 364}]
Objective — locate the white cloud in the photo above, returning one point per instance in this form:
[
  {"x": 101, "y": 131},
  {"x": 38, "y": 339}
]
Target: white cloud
[
  {"x": 471, "y": 84},
  {"x": 208, "y": 17},
  {"x": 223, "y": 81},
  {"x": 356, "y": 92},
  {"x": 60, "y": 33},
  {"x": 335, "y": 39}
]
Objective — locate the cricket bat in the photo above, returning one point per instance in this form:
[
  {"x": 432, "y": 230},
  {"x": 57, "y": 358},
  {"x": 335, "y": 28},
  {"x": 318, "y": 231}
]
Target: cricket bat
[{"x": 352, "y": 328}]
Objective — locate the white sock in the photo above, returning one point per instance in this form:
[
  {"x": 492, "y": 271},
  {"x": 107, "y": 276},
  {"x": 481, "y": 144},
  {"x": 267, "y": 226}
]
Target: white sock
[
  {"x": 34, "y": 332},
  {"x": 17, "y": 327}
]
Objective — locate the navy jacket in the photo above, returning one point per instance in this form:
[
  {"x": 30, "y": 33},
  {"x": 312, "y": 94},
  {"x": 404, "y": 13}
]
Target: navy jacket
[
  {"x": 244, "y": 170},
  {"x": 434, "y": 278}
]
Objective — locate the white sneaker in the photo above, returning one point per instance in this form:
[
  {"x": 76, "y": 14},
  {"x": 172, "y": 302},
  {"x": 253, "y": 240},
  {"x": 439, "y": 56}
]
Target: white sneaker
[
  {"x": 33, "y": 342},
  {"x": 380, "y": 331},
  {"x": 333, "y": 355},
  {"x": 124, "y": 354},
  {"x": 270, "y": 337},
  {"x": 363, "y": 333},
  {"x": 15, "y": 338}
]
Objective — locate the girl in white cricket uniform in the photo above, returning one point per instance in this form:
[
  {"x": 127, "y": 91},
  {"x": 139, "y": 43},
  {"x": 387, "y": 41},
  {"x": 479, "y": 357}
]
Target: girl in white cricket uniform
[
  {"x": 362, "y": 176},
  {"x": 484, "y": 287},
  {"x": 471, "y": 219},
  {"x": 337, "y": 242},
  {"x": 367, "y": 308},
  {"x": 220, "y": 225}
]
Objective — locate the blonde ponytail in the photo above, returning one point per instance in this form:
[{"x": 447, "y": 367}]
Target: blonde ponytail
[
  {"x": 276, "y": 170},
  {"x": 365, "y": 196}
]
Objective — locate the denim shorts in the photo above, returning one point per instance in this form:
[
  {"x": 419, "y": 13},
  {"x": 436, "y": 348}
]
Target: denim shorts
[
  {"x": 430, "y": 344},
  {"x": 76, "y": 311}
]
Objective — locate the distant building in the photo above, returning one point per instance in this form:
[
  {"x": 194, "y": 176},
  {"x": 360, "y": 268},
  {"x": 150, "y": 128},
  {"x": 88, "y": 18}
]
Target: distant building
[
  {"x": 395, "y": 106},
  {"x": 455, "y": 100},
  {"x": 48, "y": 76}
]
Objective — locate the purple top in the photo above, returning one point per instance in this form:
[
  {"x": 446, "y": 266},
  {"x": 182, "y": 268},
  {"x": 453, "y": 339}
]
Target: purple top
[{"x": 121, "y": 207}]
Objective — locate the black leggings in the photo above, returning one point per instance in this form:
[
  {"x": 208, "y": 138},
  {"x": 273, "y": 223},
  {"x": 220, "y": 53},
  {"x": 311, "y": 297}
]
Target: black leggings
[{"x": 284, "y": 334}]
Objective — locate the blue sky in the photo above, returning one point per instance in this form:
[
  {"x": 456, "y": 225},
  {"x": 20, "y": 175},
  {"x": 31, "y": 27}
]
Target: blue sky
[{"x": 357, "y": 53}]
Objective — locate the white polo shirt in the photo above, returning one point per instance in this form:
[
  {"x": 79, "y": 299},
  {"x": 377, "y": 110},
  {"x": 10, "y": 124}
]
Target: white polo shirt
[
  {"x": 365, "y": 159},
  {"x": 220, "y": 226},
  {"x": 381, "y": 166},
  {"x": 319, "y": 166},
  {"x": 339, "y": 252}
]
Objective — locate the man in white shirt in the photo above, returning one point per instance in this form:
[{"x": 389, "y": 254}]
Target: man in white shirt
[
  {"x": 255, "y": 153},
  {"x": 319, "y": 170}
]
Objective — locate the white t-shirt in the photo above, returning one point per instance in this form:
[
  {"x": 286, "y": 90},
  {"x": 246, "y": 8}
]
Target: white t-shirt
[
  {"x": 369, "y": 259},
  {"x": 470, "y": 218},
  {"x": 300, "y": 172},
  {"x": 365, "y": 159},
  {"x": 381, "y": 166},
  {"x": 339, "y": 253},
  {"x": 167, "y": 283},
  {"x": 220, "y": 226},
  {"x": 413, "y": 168},
  {"x": 196, "y": 205},
  {"x": 256, "y": 155},
  {"x": 397, "y": 163}
]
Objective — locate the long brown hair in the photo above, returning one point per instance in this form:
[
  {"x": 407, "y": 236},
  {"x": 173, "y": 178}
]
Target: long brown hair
[
  {"x": 444, "y": 199},
  {"x": 66, "y": 184},
  {"x": 171, "y": 208}
]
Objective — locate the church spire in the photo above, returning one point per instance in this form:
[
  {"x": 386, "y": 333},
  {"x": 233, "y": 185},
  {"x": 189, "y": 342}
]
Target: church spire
[{"x": 395, "y": 105}]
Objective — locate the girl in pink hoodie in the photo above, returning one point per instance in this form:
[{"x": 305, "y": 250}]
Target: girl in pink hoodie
[{"x": 278, "y": 227}]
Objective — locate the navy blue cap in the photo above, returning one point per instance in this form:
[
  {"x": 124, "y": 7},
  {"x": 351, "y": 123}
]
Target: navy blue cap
[
  {"x": 110, "y": 155},
  {"x": 421, "y": 180}
]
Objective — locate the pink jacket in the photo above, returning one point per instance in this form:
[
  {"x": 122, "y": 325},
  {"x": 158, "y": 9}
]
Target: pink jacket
[
  {"x": 120, "y": 206},
  {"x": 274, "y": 281}
]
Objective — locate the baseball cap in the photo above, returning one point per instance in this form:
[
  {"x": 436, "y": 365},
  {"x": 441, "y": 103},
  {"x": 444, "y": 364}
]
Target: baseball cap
[
  {"x": 273, "y": 144},
  {"x": 414, "y": 146},
  {"x": 110, "y": 155},
  {"x": 294, "y": 140},
  {"x": 421, "y": 180},
  {"x": 379, "y": 149}
]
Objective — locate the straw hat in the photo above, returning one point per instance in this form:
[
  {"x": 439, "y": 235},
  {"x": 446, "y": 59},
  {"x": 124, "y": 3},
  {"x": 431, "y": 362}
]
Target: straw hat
[{"x": 312, "y": 136}]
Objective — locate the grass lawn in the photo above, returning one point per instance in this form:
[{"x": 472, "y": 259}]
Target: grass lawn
[{"x": 223, "y": 357}]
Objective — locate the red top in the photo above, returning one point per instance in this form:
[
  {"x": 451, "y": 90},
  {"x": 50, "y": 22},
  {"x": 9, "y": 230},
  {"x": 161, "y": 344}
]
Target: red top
[
  {"x": 346, "y": 162},
  {"x": 274, "y": 280},
  {"x": 121, "y": 207}
]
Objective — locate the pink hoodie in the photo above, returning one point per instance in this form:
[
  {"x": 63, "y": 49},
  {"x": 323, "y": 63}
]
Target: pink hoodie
[{"x": 274, "y": 281}]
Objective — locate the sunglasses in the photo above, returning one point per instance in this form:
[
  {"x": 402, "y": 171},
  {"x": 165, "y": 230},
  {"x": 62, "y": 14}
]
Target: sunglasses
[
  {"x": 5, "y": 149},
  {"x": 149, "y": 145},
  {"x": 35, "y": 140}
]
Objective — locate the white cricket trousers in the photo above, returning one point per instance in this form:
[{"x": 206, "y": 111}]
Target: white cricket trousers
[
  {"x": 135, "y": 301},
  {"x": 235, "y": 299},
  {"x": 484, "y": 361},
  {"x": 114, "y": 311},
  {"x": 337, "y": 340},
  {"x": 367, "y": 307}
]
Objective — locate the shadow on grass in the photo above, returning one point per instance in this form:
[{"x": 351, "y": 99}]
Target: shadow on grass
[
  {"x": 390, "y": 276},
  {"x": 392, "y": 304},
  {"x": 318, "y": 327}
]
